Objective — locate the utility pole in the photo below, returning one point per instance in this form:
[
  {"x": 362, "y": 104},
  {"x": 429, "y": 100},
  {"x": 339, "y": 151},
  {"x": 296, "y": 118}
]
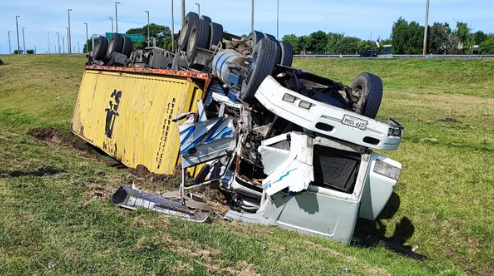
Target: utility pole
[
  {"x": 63, "y": 45},
  {"x": 17, "y": 26},
  {"x": 252, "y": 18},
  {"x": 49, "y": 42},
  {"x": 426, "y": 27},
  {"x": 198, "y": 9},
  {"x": 148, "y": 26},
  {"x": 78, "y": 47},
  {"x": 87, "y": 39},
  {"x": 278, "y": 21},
  {"x": 69, "y": 38},
  {"x": 10, "y": 48},
  {"x": 58, "y": 36},
  {"x": 23, "y": 41},
  {"x": 67, "y": 33},
  {"x": 116, "y": 17},
  {"x": 183, "y": 11},
  {"x": 111, "y": 18},
  {"x": 173, "y": 32}
]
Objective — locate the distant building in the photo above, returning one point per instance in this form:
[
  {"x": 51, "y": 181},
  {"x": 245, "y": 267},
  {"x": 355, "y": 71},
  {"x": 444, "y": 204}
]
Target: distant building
[{"x": 387, "y": 49}]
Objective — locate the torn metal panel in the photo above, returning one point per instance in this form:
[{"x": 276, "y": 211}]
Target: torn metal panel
[
  {"x": 132, "y": 199},
  {"x": 296, "y": 172}
]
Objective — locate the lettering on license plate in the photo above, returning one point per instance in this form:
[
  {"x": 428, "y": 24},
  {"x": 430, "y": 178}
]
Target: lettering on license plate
[{"x": 354, "y": 122}]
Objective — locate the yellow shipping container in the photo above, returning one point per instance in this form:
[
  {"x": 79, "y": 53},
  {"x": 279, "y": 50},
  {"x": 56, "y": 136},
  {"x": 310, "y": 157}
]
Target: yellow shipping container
[{"x": 128, "y": 112}]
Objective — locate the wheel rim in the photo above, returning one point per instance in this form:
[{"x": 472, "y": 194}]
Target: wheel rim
[{"x": 110, "y": 46}]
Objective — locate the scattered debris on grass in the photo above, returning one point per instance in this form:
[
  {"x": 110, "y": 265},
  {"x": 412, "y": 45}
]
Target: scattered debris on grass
[
  {"x": 432, "y": 140},
  {"x": 449, "y": 120}
]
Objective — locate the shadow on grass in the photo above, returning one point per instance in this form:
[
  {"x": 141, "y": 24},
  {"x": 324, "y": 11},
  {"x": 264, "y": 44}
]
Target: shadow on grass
[{"x": 373, "y": 233}]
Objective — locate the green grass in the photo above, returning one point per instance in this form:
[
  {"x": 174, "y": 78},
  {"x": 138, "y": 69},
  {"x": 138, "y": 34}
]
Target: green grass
[{"x": 52, "y": 225}]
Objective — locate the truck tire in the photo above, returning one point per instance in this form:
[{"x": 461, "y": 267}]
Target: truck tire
[
  {"x": 370, "y": 89},
  {"x": 198, "y": 38},
  {"x": 114, "y": 45},
  {"x": 190, "y": 19},
  {"x": 260, "y": 66},
  {"x": 254, "y": 38},
  {"x": 286, "y": 54},
  {"x": 278, "y": 54},
  {"x": 100, "y": 45},
  {"x": 216, "y": 35},
  {"x": 207, "y": 18},
  {"x": 127, "y": 46}
]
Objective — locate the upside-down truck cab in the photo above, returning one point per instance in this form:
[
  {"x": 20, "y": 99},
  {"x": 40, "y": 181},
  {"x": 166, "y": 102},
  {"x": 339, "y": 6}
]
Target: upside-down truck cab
[{"x": 320, "y": 181}]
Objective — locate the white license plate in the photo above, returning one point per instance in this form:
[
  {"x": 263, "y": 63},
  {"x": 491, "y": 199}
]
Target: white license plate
[{"x": 354, "y": 122}]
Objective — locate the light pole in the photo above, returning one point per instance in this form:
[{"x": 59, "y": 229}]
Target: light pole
[
  {"x": 58, "y": 36},
  {"x": 63, "y": 45},
  {"x": 252, "y": 17},
  {"x": 183, "y": 11},
  {"x": 278, "y": 21},
  {"x": 173, "y": 32},
  {"x": 198, "y": 8},
  {"x": 116, "y": 17},
  {"x": 69, "y": 38},
  {"x": 87, "y": 39},
  {"x": 148, "y": 26},
  {"x": 23, "y": 40},
  {"x": 10, "y": 48},
  {"x": 426, "y": 26},
  {"x": 48, "y": 42},
  {"x": 17, "y": 26},
  {"x": 111, "y": 18}
]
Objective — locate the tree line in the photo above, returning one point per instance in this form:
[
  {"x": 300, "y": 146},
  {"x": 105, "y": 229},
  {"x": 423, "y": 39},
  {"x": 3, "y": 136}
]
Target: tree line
[{"x": 406, "y": 38}]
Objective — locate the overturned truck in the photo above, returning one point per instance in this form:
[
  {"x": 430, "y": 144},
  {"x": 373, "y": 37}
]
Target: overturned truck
[{"x": 285, "y": 147}]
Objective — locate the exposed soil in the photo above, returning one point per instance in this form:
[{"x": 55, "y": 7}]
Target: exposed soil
[{"x": 51, "y": 135}]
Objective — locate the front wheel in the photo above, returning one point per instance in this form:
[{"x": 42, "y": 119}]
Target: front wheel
[
  {"x": 367, "y": 93},
  {"x": 260, "y": 65}
]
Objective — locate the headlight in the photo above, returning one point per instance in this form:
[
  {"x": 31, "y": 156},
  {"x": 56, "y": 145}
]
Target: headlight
[
  {"x": 304, "y": 104},
  {"x": 394, "y": 131},
  {"x": 387, "y": 170},
  {"x": 289, "y": 98}
]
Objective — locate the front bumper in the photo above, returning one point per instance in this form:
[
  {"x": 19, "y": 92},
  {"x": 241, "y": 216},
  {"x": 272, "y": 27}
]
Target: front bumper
[{"x": 325, "y": 119}]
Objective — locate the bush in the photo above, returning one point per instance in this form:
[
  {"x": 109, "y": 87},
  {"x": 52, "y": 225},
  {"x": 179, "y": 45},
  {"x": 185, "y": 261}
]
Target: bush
[{"x": 487, "y": 47}]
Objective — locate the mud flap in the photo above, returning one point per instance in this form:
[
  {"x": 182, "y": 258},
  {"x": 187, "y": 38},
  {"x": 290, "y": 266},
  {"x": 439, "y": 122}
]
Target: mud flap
[{"x": 132, "y": 199}]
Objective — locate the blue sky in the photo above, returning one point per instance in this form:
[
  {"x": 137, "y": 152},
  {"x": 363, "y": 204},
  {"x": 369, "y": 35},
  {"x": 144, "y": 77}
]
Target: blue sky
[{"x": 354, "y": 18}]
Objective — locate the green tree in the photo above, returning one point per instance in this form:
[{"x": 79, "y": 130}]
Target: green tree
[
  {"x": 318, "y": 42},
  {"x": 480, "y": 37},
  {"x": 462, "y": 40},
  {"x": 348, "y": 46},
  {"x": 399, "y": 36},
  {"x": 487, "y": 47},
  {"x": 160, "y": 32},
  {"x": 332, "y": 41},
  {"x": 439, "y": 38},
  {"x": 294, "y": 41}
]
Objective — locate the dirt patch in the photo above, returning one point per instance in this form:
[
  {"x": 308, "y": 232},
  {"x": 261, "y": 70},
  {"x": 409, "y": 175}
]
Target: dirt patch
[
  {"x": 51, "y": 135},
  {"x": 43, "y": 171},
  {"x": 449, "y": 120},
  {"x": 141, "y": 171}
]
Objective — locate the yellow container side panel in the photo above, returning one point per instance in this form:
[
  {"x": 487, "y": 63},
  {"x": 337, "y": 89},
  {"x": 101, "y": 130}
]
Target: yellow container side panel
[{"x": 129, "y": 116}]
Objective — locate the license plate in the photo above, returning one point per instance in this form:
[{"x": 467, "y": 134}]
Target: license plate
[{"x": 354, "y": 122}]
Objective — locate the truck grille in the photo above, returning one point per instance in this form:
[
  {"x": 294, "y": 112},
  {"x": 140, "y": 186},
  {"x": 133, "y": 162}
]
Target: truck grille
[{"x": 335, "y": 169}]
